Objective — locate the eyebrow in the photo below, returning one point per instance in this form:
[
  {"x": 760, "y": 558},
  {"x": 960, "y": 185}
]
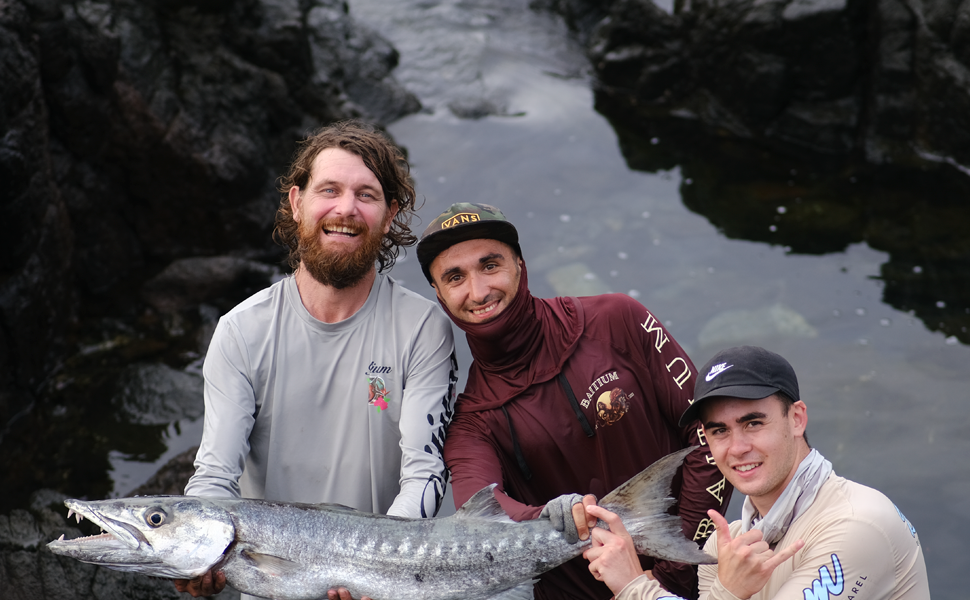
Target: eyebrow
[
  {"x": 751, "y": 416},
  {"x": 491, "y": 256}
]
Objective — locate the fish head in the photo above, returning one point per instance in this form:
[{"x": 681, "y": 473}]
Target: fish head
[{"x": 174, "y": 537}]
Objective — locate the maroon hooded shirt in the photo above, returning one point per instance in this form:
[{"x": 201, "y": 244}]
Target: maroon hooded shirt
[{"x": 515, "y": 425}]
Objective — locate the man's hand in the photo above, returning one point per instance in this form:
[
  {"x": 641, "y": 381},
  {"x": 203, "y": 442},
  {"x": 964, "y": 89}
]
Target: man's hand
[
  {"x": 342, "y": 594},
  {"x": 568, "y": 515},
  {"x": 209, "y": 584},
  {"x": 745, "y": 562},
  {"x": 612, "y": 557}
]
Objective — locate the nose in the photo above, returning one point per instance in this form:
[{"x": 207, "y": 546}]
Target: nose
[
  {"x": 740, "y": 445},
  {"x": 345, "y": 203},
  {"x": 479, "y": 287}
]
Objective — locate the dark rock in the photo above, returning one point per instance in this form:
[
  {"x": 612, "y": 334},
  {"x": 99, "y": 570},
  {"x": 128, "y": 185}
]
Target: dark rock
[
  {"x": 189, "y": 282},
  {"x": 171, "y": 479},
  {"x": 886, "y": 81}
]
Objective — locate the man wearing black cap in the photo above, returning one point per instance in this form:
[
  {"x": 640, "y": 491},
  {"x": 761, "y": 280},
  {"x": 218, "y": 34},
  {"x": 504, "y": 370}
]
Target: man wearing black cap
[
  {"x": 565, "y": 396},
  {"x": 805, "y": 532}
]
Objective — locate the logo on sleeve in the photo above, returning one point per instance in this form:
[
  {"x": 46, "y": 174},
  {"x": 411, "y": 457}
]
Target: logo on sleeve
[
  {"x": 717, "y": 370},
  {"x": 828, "y": 584}
]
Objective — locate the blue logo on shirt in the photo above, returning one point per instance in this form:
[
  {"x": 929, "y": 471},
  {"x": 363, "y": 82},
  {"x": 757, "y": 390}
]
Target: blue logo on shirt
[
  {"x": 912, "y": 530},
  {"x": 826, "y": 585}
]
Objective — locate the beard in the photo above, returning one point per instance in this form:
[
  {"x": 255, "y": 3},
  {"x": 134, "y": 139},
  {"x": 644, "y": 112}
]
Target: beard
[{"x": 335, "y": 267}]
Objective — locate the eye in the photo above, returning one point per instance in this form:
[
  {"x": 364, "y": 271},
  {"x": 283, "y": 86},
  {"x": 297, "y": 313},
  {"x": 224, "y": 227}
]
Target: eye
[{"x": 156, "y": 517}]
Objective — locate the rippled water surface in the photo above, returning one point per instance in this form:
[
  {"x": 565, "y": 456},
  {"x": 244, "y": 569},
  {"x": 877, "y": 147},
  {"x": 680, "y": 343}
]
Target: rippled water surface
[{"x": 887, "y": 397}]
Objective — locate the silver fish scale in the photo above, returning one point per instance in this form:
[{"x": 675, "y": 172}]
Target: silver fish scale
[{"x": 434, "y": 559}]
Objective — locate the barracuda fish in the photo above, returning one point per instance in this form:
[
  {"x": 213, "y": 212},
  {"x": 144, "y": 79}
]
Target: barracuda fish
[{"x": 291, "y": 551}]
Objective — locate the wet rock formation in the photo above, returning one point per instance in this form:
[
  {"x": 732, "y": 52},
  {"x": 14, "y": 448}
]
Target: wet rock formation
[
  {"x": 887, "y": 81},
  {"x": 135, "y": 135}
]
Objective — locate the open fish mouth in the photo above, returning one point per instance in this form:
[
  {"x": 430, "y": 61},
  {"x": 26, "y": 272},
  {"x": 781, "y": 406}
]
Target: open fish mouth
[{"x": 115, "y": 535}]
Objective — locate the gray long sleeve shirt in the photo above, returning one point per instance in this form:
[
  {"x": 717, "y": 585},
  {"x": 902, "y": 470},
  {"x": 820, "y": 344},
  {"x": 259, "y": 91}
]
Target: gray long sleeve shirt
[{"x": 352, "y": 413}]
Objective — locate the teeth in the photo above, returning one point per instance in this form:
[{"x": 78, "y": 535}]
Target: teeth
[
  {"x": 61, "y": 539},
  {"x": 746, "y": 468},
  {"x": 482, "y": 311}
]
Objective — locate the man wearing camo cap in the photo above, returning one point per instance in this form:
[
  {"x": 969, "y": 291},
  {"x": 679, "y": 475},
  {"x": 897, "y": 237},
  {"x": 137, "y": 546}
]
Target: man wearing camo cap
[{"x": 565, "y": 396}]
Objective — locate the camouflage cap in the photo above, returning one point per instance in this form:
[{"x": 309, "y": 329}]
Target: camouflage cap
[{"x": 462, "y": 222}]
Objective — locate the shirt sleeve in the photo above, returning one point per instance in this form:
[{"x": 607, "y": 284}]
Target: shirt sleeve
[
  {"x": 230, "y": 409},
  {"x": 426, "y": 410},
  {"x": 703, "y": 486},
  {"x": 644, "y": 588},
  {"x": 474, "y": 462}
]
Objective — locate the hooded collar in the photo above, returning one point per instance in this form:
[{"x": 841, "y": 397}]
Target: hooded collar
[{"x": 527, "y": 343}]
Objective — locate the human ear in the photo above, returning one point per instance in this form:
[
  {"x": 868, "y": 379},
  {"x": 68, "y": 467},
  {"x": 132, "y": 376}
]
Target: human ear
[
  {"x": 295, "y": 199},
  {"x": 392, "y": 208},
  {"x": 799, "y": 416}
]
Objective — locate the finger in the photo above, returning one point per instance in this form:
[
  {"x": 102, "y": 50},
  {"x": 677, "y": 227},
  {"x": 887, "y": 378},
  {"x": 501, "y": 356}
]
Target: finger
[
  {"x": 590, "y": 500},
  {"x": 783, "y": 555},
  {"x": 759, "y": 547},
  {"x": 722, "y": 526},
  {"x": 611, "y": 519},
  {"x": 579, "y": 516},
  {"x": 344, "y": 594},
  {"x": 181, "y": 584},
  {"x": 220, "y": 581},
  {"x": 332, "y": 595}
]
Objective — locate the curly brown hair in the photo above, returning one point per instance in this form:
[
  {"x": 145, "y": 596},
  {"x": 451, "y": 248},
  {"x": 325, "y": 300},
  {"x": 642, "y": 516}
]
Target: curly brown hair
[{"x": 380, "y": 155}]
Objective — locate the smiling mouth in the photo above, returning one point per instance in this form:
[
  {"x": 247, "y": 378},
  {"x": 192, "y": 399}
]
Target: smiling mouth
[
  {"x": 747, "y": 468},
  {"x": 480, "y": 312},
  {"x": 341, "y": 232}
]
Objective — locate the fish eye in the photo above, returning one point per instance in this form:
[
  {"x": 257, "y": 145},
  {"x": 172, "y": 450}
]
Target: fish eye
[{"x": 156, "y": 517}]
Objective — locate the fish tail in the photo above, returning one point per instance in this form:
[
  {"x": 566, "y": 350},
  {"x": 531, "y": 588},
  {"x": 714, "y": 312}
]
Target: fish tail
[{"x": 642, "y": 504}]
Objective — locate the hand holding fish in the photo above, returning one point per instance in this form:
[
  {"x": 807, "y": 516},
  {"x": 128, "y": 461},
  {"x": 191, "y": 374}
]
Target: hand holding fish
[
  {"x": 342, "y": 594},
  {"x": 612, "y": 557},
  {"x": 744, "y": 563},
  {"x": 568, "y": 515},
  {"x": 209, "y": 584}
]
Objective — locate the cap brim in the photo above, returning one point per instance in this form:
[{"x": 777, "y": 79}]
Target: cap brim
[
  {"x": 747, "y": 392},
  {"x": 430, "y": 247}
]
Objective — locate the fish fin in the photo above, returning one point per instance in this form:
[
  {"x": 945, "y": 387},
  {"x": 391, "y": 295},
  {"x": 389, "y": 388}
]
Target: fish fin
[
  {"x": 520, "y": 592},
  {"x": 483, "y": 505},
  {"x": 272, "y": 565},
  {"x": 642, "y": 503}
]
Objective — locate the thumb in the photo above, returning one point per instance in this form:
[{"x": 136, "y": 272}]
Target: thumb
[{"x": 722, "y": 526}]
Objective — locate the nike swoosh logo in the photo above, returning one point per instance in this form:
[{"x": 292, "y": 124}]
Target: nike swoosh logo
[{"x": 717, "y": 370}]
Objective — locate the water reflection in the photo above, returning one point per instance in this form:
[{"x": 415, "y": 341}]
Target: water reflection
[{"x": 810, "y": 205}]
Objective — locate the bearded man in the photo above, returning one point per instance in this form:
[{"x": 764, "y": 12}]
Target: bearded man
[{"x": 335, "y": 384}]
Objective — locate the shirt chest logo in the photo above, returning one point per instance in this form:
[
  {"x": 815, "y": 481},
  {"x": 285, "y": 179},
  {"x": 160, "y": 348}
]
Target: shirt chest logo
[
  {"x": 611, "y": 402},
  {"x": 377, "y": 393}
]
